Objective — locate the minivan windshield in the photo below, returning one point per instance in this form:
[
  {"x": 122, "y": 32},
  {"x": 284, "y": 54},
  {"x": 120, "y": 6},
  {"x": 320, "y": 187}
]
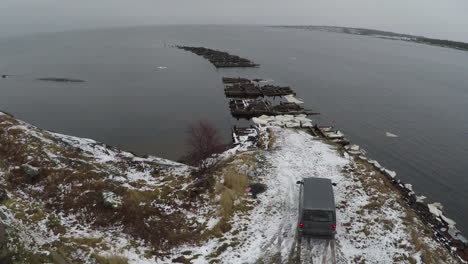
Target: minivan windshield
[{"x": 318, "y": 216}]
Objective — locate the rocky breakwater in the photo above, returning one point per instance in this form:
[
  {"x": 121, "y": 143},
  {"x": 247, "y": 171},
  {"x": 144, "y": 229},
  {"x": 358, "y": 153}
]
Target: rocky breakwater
[{"x": 220, "y": 59}]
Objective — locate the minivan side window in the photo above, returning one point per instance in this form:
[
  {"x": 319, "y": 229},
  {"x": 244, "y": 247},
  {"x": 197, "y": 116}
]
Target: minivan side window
[{"x": 318, "y": 216}]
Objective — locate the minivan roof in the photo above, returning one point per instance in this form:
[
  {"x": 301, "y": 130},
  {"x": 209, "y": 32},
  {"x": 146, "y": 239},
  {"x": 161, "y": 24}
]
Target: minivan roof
[{"x": 318, "y": 194}]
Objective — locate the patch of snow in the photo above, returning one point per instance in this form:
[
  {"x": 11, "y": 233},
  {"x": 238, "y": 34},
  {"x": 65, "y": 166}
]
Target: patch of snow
[
  {"x": 283, "y": 121},
  {"x": 112, "y": 199},
  {"x": 451, "y": 223},
  {"x": 259, "y": 121},
  {"x": 391, "y": 174},
  {"x": 420, "y": 198},
  {"x": 334, "y": 134},
  {"x": 376, "y": 164},
  {"x": 409, "y": 186},
  {"x": 212, "y": 223},
  {"x": 290, "y": 98}
]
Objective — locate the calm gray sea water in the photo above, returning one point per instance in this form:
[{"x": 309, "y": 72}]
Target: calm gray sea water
[{"x": 362, "y": 85}]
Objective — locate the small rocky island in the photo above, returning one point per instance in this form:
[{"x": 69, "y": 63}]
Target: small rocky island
[{"x": 62, "y": 80}]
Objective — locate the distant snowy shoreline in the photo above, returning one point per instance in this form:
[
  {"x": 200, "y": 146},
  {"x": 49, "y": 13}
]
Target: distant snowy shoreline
[{"x": 386, "y": 35}]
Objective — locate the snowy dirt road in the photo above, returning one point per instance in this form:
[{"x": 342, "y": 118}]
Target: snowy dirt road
[
  {"x": 293, "y": 159},
  {"x": 315, "y": 251}
]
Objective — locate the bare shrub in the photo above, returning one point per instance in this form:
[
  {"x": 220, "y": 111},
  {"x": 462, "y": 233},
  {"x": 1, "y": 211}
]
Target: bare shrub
[{"x": 203, "y": 140}]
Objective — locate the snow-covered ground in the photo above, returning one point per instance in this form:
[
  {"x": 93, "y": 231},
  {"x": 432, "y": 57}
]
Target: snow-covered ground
[{"x": 373, "y": 224}]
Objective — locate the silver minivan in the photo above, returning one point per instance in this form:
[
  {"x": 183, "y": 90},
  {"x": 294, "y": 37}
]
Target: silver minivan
[{"x": 317, "y": 214}]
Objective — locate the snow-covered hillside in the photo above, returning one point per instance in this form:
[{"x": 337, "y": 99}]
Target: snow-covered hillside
[{"x": 74, "y": 200}]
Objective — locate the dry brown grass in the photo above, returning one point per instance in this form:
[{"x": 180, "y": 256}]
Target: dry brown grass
[
  {"x": 235, "y": 181},
  {"x": 231, "y": 191},
  {"x": 272, "y": 141},
  {"x": 113, "y": 259},
  {"x": 226, "y": 203},
  {"x": 428, "y": 255},
  {"x": 374, "y": 205}
]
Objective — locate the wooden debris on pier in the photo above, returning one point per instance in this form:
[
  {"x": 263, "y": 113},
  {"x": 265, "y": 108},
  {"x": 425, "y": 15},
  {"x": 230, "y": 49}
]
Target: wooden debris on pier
[
  {"x": 332, "y": 135},
  {"x": 218, "y": 58},
  {"x": 288, "y": 108},
  {"x": 272, "y": 90},
  {"x": 248, "y": 108},
  {"x": 229, "y": 80},
  {"x": 244, "y": 134},
  {"x": 243, "y": 90}
]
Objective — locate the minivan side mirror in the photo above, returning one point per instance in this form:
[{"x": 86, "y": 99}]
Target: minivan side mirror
[{"x": 299, "y": 182}]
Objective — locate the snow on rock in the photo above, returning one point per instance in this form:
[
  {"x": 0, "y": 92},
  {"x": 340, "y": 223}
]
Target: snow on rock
[
  {"x": 260, "y": 121},
  {"x": 334, "y": 134},
  {"x": 376, "y": 164},
  {"x": 420, "y": 198},
  {"x": 307, "y": 124},
  {"x": 291, "y": 99},
  {"x": 409, "y": 187},
  {"x": 112, "y": 199},
  {"x": 391, "y": 173},
  {"x": 435, "y": 209},
  {"x": 283, "y": 121}
]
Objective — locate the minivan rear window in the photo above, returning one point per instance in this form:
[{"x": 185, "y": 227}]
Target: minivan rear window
[{"x": 318, "y": 216}]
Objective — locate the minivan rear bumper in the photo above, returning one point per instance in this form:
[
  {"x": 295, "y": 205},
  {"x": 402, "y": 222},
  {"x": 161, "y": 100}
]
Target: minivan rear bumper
[{"x": 317, "y": 233}]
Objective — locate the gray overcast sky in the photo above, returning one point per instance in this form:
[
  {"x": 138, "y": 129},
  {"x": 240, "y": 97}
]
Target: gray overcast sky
[{"x": 446, "y": 19}]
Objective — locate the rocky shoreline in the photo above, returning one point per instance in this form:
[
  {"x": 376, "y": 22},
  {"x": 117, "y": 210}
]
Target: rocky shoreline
[{"x": 443, "y": 227}]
